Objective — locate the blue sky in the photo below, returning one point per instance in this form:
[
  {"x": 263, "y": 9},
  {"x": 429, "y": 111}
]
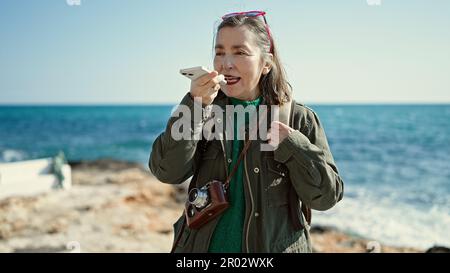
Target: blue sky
[{"x": 117, "y": 51}]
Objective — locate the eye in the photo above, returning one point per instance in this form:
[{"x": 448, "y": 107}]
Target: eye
[
  {"x": 242, "y": 53},
  {"x": 219, "y": 53}
]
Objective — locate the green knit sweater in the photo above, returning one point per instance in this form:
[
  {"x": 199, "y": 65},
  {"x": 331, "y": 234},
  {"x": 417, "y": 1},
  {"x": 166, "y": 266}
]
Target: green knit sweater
[{"x": 227, "y": 236}]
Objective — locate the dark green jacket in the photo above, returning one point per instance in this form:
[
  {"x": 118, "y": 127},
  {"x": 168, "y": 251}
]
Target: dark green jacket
[{"x": 301, "y": 164}]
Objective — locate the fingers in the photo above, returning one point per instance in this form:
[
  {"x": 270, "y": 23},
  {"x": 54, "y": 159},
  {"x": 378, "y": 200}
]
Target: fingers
[
  {"x": 217, "y": 79},
  {"x": 272, "y": 130},
  {"x": 213, "y": 83},
  {"x": 273, "y": 134},
  {"x": 271, "y": 139},
  {"x": 206, "y": 87},
  {"x": 269, "y": 133},
  {"x": 205, "y": 79},
  {"x": 275, "y": 124},
  {"x": 213, "y": 90},
  {"x": 212, "y": 80},
  {"x": 277, "y": 132}
]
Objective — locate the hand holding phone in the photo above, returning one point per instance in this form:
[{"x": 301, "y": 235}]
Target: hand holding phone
[
  {"x": 204, "y": 84},
  {"x": 194, "y": 73}
]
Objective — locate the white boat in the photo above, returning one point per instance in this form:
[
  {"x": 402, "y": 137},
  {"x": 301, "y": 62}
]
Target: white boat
[{"x": 27, "y": 178}]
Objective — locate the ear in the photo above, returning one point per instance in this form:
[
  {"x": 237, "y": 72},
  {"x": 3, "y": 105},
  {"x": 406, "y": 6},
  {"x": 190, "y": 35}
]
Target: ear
[{"x": 267, "y": 65}]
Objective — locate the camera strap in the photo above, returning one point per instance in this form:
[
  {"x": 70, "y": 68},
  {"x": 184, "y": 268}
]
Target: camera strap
[{"x": 235, "y": 167}]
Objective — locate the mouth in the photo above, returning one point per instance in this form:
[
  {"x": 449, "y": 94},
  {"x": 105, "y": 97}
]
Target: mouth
[{"x": 231, "y": 79}]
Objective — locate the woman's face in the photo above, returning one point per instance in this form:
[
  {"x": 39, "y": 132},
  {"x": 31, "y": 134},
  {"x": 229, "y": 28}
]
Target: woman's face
[{"x": 239, "y": 59}]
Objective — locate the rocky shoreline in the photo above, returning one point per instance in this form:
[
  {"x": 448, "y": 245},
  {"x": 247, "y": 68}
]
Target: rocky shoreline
[{"x": 117, "y": 206}]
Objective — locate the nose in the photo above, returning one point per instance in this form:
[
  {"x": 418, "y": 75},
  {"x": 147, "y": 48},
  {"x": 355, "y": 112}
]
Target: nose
[{"x": 228, "y": 62}]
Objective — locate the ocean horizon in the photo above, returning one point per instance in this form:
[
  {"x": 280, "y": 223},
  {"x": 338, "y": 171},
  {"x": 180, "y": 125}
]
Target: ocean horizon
[
  {"x": 394, "y": 158},
  {"x": 137, "y": 104}
]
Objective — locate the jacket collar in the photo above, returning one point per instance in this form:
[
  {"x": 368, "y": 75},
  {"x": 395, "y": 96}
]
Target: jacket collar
[{"x": 222, "y": 100}]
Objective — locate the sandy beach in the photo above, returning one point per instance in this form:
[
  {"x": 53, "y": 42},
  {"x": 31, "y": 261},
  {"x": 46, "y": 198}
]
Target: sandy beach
[{"x": 118, "y": 206}]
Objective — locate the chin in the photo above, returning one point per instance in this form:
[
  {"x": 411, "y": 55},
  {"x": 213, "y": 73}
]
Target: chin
[
  {"x": 231, "y": 93},
  {"x": 227, "y": 92}
]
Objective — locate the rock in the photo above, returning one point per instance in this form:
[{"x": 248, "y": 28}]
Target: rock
[
  {"x": 84, "y": 208},
  {"x": 44, "y": 249},
  {"x": 5, "y": 231},
  {"x": 373, "y": 247},
  {"x": 320, "y": 229},
  {"x": 105, "y": 165},
  {"x": 326, "y": 239},
  {"x": 438, "y": 249},
  {"x": 116, "y": 206}
]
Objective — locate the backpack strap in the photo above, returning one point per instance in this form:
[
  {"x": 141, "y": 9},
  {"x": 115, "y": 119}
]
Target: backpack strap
[
  {"x": 286, "y": 112},
  {"x": 286, "y": 116}
]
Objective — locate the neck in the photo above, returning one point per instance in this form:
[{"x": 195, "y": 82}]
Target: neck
[{"x": 249, "y": 96}]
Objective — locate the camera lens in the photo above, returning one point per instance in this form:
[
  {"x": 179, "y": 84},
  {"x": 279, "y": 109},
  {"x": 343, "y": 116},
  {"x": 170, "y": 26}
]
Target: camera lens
[
  {"x": 193, "y": 195},
  {"x": 198, "y": 197}
]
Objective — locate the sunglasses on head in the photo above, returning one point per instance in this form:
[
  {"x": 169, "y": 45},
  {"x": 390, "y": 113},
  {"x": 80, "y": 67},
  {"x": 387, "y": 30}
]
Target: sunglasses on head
[{"x": 253, "y": 13}]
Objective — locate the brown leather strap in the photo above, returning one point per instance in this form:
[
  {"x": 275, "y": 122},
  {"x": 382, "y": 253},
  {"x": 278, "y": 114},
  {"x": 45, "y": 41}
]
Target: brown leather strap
[
  {"x": 235, "y": 167},
  {"x": 307, "y": 212}
]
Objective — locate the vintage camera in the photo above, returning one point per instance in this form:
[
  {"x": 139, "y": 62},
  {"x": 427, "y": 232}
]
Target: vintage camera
[{"x": 205, "y": 204}]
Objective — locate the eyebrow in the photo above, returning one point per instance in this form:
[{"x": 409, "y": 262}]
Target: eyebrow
[{"x": 219, "y": 46}]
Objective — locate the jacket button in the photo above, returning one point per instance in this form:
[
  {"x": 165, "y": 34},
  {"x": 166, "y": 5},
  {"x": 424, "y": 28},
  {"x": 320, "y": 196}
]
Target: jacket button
[
  {"x": 256, "y": 170},
  {"x": 256, "y": 214},
  {"x": 229, "y": 160},
  {"x": 219, "y": 120}
]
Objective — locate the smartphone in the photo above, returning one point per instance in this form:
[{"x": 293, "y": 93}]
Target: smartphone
[{"x": 194, "y": 73}]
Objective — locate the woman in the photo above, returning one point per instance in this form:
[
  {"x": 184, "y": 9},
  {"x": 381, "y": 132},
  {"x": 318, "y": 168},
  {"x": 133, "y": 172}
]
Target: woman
[{"x": 270, "y": 192}]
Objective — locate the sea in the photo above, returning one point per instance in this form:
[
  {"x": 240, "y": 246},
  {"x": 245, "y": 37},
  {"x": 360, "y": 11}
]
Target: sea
[{"x": 394, "y": 159}]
